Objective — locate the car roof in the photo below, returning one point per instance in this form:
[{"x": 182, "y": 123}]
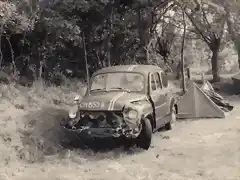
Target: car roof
[{"x": 145, "y": 69}]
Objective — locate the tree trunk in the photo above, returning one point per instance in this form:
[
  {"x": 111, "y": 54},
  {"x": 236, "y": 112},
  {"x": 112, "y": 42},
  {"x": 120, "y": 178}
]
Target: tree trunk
[
  {"x": 215, "y": 66},
  {"x": 182, "y": 54},
  {"x": 239, "y": 58},
  {"x": 40, "y": 70},
  {"x": 235, "y": 37},
  {"x": 178, "y": 71},
  {"x": 86, "y": 60},
  {"x": 109, "y": 52}
]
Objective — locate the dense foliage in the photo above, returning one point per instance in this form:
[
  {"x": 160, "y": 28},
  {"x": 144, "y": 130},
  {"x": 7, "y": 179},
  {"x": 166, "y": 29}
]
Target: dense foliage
[{"x": 49, "y": 36}]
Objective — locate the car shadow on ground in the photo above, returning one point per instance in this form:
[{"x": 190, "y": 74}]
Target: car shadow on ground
[{"x": 43, "y": 137}]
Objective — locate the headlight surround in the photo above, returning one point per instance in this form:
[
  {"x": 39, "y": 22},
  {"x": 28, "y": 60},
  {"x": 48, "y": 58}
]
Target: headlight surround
[{"x": 132, "y": 114}]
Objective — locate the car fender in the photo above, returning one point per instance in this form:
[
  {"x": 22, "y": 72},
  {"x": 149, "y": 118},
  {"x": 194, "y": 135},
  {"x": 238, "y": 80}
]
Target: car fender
[
  {"x": 148, "y": 113},
  {"x": 143, "y": 107},
  {"x": 147, "y": 110},
  {"x": 150, "y": 116}
]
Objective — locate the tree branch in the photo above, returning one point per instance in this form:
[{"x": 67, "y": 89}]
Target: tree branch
[
  {"x": 205, "y": 38},
  {"x": 1, "y": 54},
  {"x": 156, "y": 22},
  {"x": 12, "y": 55},
  {"x": 205, "y": 19}
]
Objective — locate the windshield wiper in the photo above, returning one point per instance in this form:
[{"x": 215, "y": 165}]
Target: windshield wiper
[{"x": 120, "y": 88}]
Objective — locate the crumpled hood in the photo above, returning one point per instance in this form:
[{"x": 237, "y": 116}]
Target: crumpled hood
[{"x": 108, "y": 100}]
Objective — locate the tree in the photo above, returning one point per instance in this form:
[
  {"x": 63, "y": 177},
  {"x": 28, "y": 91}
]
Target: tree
[
  {"x": 182, "y": 52},
  {"x": 211, "y": 32},
  {"x": 233, "y": 23},
  {"x": 115, "y": 31},
  {"x": 17, "y": 18},
  {"x": 165, "y": 35}
]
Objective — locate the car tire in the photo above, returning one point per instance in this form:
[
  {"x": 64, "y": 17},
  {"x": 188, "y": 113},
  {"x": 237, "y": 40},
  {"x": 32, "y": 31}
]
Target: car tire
[
  {"x": 169, "y": 125},
  {"x": 145, "y": 137}
]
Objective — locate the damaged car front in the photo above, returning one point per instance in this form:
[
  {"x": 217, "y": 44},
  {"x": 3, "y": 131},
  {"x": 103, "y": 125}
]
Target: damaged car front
[
  {"x": 111, "y": 109},
  {"x": 126, "y": 122}
]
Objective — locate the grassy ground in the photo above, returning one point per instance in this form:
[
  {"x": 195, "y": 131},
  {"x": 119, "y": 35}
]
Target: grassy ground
[{"x": 30, "y": 149}]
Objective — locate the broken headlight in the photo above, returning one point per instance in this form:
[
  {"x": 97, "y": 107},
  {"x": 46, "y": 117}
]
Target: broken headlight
[
  {"x": 132, "y": 118},
  {"x": 132, "y": 114},
  {"x": 73, "y": 112},
  {"x": 72, "y": 115}
]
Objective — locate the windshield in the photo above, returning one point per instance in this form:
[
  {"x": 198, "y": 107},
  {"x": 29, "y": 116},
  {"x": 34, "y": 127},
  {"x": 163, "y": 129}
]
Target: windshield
[{"x": 119, "y": 81}]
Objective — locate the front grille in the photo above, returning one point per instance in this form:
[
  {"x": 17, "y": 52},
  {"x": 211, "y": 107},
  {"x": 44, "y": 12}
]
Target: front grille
[{"x": 107, "y": 119}]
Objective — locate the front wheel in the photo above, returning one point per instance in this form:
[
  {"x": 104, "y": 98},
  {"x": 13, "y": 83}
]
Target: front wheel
[{"x": 145, "y": 137}]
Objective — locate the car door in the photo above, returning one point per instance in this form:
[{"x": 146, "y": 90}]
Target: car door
[
  {"x": 167, "y": 92},
  {"x": 158, "y": 97}
]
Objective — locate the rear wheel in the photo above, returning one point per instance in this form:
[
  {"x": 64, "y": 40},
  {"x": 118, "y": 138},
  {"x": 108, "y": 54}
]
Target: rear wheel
[
  {"x": 169, "y": 125},
  {"x": 145, "y": 137}
]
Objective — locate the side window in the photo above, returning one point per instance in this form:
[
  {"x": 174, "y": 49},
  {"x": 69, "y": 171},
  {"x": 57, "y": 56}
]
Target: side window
[
  {"x": 153, "y": 84},
  {"x": 157, "y": 79},
  {"x": 164, "y": 80}
]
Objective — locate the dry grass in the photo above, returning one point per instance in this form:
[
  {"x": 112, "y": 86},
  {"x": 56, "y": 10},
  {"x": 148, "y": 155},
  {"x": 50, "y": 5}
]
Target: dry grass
[
  {"x": 29, "y": 117},
  {"x": 30, "y": 148}
]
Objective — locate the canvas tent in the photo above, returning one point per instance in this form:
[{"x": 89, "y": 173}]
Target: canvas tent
[
  {"x": 216, "y": 98},
  {"x": 236, "y": 83},
  {"x": 196, "y": 104}
]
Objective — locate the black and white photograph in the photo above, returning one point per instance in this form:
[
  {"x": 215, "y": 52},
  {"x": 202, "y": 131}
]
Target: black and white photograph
[{"x": 119, "y": 89}]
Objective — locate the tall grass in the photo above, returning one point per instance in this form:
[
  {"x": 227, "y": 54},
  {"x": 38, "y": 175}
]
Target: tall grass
[{"x": 28, "y": 118}]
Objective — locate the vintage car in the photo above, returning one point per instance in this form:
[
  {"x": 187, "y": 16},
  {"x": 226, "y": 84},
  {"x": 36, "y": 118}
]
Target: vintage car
[{"x": 130, "y": 101}]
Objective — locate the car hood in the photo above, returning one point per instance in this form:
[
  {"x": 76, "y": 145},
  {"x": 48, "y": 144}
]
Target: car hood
[{"x": 111, "y": 101}]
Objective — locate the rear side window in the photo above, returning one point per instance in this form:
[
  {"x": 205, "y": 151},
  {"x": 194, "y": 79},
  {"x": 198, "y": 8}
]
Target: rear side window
[
  {"x": 155, "y": 81},
  {"x": 153, "y": 84},
  {"x": 164, "y": 79}
]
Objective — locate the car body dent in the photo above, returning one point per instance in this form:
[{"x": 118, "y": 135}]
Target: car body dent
[
  {"x": 131, "y": 101},
  {"x": 139, "y": 107}
]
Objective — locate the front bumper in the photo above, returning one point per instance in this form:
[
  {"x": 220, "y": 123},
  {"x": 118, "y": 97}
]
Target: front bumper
[{"x": 85, "y": 132}]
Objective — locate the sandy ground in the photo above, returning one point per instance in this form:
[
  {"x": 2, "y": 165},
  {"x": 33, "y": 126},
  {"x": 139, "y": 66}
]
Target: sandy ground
[
  {"x": 203, "y": 149},
  {"x": 200, "y": 149}
]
